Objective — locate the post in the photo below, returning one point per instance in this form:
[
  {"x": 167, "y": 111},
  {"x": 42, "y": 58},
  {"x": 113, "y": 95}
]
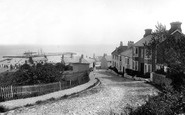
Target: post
[
  {"x": 11, "y": 91},
  {"x": 152, "y": 76},
  {"x": 70, "y": 82},
  {"x": 60, "y": 85}
]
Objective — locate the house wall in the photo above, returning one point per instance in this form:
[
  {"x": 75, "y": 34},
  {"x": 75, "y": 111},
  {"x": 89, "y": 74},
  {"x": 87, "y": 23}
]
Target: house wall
[
  {"x": 104, "y": 63},
  {"x": 126, "y": 62},
  {"x": 116, "y": 62},
  {"x": 77, "y": 67}
]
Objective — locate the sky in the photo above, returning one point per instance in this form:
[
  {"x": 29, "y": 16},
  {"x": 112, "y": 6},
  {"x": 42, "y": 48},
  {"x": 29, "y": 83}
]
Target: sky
[{"x": 79, "y": 22}]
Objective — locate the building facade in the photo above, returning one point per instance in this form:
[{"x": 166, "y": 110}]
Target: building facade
[
  {"x": 106, "y": 61},
  {"x": 117, "y": 58},
  {"x": 137, "y": 57}
]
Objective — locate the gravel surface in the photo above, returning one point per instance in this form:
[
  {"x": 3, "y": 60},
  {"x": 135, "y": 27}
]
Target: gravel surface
[{"x": 112, "y": 95}]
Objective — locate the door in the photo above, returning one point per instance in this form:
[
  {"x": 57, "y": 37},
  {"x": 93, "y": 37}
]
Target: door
[{"x": 142, "y": 68}]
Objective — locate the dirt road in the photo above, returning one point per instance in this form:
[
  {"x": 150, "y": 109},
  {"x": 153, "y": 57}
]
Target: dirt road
[{"x": 113, "y": 94}]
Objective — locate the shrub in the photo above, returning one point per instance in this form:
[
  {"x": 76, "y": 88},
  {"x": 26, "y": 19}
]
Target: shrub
[
  {"x": 160, "y": 71},
  {"x": 131, "y": 72},
  {"x": 2, "y": 109},
  {"x": 146, "y": 75},
  {"x": 1, "y": 99},
  {"x": 169, "y": 102},
  {"x": 114, "y": 69}
]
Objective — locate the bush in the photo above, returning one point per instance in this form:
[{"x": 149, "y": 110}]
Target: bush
[
  {"x": 131, "y": 72},
  {"x": 1, "y": 99},
  {"x": 2, "y": 109},
  {"x": 169, "y": 102},
  {"x": 161, "y": 71},
  {"x": 114, "y": 69},
  {"x": 146, "y": 75}
]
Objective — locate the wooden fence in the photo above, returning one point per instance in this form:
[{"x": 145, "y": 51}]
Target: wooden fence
[{"x": 15, "y": 92}]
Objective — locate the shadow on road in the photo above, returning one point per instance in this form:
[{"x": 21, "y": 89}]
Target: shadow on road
[{"x": 112, "y": 77}]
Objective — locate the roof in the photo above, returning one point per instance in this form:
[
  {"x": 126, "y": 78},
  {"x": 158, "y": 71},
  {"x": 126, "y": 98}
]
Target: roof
[
  {"x": 108, "y": 58},
  {"x": 119, "y": 50},
  {"x": 127, "y": 53},
  {"x": 90, "y": 60},
  {"x": 143, "y": 40},
  {"x": 98, "y": 58}
]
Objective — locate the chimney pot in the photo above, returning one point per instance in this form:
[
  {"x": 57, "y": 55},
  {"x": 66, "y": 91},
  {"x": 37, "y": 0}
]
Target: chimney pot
[
  {"x": 175, "y": 26},
  {"x": 147, "y": 32},
  {"x": 130, "y": 44},
  {"x": 121, "y": 43}
]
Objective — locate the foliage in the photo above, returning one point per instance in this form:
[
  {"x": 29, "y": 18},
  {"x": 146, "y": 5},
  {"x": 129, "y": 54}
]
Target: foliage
[
  {"x": 161, "y": 71},
  {"x": 135, "y": 73},
  {"x": 146, "y": 75},
  {"x": 131, "y": 72},
  {"x": 114, "y": 69},
  {"x": 170, "y": 52},
  {"x": 158, "y": 36},
  {"x": 6, "y": 78},
  {"x": 175, "y": 53},
  {"x": 170, "y": 102},
  {"x": 36, "y": 74}
]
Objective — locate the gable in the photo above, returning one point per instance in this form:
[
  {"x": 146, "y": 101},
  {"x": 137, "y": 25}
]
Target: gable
[
  {"x": 143, "y": 40},
  {"x": 119, "y": 50}
]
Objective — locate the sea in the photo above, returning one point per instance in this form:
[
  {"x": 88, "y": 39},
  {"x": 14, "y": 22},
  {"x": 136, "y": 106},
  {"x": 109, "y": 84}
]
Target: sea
[{"x": 86, "y": 50}]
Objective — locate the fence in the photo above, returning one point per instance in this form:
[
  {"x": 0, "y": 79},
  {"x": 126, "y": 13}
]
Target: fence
[
  {"x": 15, "y": 92},
  {"x": 160, "y": 79}
]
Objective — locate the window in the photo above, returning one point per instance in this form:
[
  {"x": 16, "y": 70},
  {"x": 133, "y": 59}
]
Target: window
[
  {"x": 142, "y": 56},
  {"x": 136, "y": 65},
  {"x": 128, "y": 61},
  {"x": 136, "y": 51},
  {"x": 133, "y": 65},
  {"x": 120, "y": 58},
  {"x": 145, "y": 68},
  {"x": 147, "y": 53},
  {"x": 149, "y": 67}
]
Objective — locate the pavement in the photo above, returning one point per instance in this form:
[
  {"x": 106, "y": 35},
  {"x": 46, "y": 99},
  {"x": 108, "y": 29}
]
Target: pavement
[{"x": 113, "y": 95}]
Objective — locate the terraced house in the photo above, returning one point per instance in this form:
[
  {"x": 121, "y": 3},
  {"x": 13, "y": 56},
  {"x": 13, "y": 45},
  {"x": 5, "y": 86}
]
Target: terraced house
[
  {"x": 117, "y": 58},
  {"x": 127, "y": 56},
  {"x": 135, "y": 57}
]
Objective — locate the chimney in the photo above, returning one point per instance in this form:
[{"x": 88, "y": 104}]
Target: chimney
[
  {"x": 147, "y": 32},
  {"x": 175, "y": 26},
  {"x": 130, "y": 44},
  {"x": 121, "y": 43}
]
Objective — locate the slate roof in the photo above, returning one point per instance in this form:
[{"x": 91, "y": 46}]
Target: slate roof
[
  {"x": 119, "y": 50},
  {"x": 127, "y": 53},
  {"x": 98, "y": 58},
  {"x": 143, "y": 40}
]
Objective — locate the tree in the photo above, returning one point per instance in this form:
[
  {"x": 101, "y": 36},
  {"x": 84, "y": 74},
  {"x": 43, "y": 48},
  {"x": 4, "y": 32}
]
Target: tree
[
  {"x": 170, "y": 51},
  {"x": 158, "y": 36}
]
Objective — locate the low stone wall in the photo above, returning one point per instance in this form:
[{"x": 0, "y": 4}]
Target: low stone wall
[{"x": 160, "y": 79}]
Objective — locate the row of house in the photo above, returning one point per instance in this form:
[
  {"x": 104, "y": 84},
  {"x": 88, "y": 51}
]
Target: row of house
[{"x": 134, "y": 55}]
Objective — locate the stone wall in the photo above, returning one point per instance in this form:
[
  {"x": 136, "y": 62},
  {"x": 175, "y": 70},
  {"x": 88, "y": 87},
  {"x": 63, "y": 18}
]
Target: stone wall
[{"x": 160, "y": 79}]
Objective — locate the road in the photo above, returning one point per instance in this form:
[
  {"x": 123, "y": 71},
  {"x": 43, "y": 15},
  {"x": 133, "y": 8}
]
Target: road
[{"x": 112, "y": 95}]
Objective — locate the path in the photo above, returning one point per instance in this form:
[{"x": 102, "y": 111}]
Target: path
[{"x": 112, "y": 95}]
